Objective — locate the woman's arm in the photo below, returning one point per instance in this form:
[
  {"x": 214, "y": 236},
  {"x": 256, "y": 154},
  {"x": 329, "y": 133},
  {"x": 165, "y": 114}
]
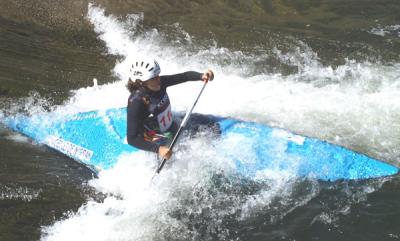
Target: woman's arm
[{"x": 169, "y": 80}]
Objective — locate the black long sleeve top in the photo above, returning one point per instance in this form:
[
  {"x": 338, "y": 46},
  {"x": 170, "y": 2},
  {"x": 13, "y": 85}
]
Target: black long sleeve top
[{"x": 138, "y": 112}]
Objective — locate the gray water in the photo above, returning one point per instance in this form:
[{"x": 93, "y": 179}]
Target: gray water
[{"x": 327, "y": 69}]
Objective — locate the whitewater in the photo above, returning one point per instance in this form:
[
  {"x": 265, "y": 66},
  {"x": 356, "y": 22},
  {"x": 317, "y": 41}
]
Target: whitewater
[{"x": 356, "y": 105}]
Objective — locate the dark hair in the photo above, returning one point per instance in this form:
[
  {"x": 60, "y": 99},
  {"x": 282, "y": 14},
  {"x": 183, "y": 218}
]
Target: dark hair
[{"x": 134, "y": 85}]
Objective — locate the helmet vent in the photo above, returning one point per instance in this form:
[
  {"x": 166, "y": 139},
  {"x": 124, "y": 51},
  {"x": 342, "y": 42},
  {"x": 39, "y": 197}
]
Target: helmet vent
[{"x": 144, "y": 70}]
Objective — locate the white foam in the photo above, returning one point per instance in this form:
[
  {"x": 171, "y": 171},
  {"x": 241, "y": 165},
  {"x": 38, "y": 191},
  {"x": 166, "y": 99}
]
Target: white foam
[
  {"x": 386, "y": 30},
  {"x": 356, "y": 105},
  {"x": 19, "y": 193},
  {"x": 18, "y": 138},
  {"x": 167, "y": 207}
]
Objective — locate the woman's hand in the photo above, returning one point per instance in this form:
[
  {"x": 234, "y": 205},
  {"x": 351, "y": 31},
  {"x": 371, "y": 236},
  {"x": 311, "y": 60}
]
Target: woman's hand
[
  {"x": 208, "y": 76},
  {"x": 164, "y": 152}
]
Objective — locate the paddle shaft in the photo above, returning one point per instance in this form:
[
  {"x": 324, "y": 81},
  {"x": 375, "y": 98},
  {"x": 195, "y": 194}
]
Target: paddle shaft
[{"x": 183, "y": 124}]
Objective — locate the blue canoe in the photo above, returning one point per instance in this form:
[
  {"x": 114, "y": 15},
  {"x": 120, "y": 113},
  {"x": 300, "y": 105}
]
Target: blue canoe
[{"x": 97, "y": 139}]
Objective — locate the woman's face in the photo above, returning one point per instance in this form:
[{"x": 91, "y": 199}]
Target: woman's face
[{"x": 154, "y": 84}]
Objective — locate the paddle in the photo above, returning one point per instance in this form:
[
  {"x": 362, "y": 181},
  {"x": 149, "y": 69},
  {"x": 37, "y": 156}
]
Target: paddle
[{"x": 183, "y": 124}]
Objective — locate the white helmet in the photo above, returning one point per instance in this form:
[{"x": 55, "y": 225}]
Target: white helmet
[{"x": 144, "y": 70}]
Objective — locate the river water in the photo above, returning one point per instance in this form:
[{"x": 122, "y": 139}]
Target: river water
[{"x": 324, "y": 69}]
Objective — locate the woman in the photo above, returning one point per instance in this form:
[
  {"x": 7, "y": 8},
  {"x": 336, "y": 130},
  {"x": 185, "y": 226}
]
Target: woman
[{"x": 150, "y": 121}]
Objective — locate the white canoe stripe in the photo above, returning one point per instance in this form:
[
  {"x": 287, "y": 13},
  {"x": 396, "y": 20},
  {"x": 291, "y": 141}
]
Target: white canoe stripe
[{"x": 69, "y": 148}]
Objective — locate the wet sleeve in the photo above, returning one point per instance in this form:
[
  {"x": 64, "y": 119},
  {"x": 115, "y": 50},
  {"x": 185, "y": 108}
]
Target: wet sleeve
[
  {"x": 135, "y": 127},
  {"x": 169, "y": 80}
]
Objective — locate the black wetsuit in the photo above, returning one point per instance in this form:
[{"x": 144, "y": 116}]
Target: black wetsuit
[{"x": 155, "y": 114}]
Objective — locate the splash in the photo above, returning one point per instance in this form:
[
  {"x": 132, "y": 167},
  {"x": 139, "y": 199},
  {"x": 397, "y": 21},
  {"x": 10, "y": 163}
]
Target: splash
[
  {"x": 195, "y": 200},
  {"x": 19, "y": 193},
  {"x": 356, "y": 105},
  {"x": 391, "y": 30}
]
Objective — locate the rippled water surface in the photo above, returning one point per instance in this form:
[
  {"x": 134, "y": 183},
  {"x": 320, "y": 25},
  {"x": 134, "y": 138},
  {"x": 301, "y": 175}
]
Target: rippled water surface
[{"x": 325, "y": 69}]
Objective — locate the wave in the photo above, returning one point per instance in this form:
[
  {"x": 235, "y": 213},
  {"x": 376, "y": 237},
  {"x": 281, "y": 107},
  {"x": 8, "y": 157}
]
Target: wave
[
  {"x": 391, "y": 30},
  {"x": 355, "y": 104}
]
